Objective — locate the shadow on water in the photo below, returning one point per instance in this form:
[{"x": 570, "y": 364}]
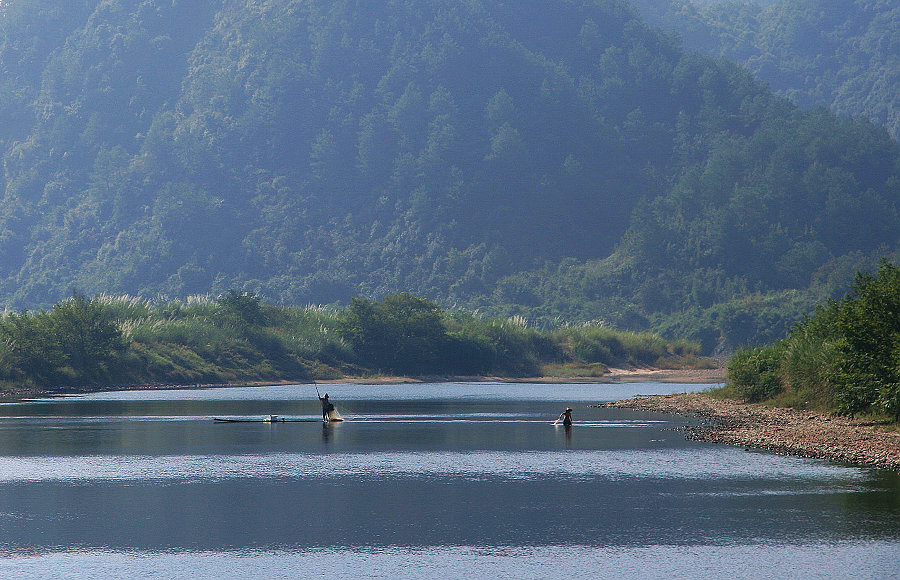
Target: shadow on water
[{"x": 873, "y": 505}]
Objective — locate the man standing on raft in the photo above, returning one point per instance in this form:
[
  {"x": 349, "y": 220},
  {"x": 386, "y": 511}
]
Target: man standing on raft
[{"x": 327, "y": 408}]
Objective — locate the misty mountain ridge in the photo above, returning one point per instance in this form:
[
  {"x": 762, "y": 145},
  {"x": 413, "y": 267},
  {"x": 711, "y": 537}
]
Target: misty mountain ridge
[{"x": 556, "y": 159}]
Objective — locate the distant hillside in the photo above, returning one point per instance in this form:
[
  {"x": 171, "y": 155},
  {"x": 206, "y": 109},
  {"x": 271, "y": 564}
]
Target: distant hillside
[
  {"x": 556, "y": 159},
  {"x": 840, "y": 55}
]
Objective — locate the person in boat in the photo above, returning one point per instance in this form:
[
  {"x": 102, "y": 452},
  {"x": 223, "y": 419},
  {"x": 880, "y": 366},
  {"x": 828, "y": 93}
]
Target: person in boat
[
  {"x": 327, "y": 408},
  {"x": 566, "y": 417}
]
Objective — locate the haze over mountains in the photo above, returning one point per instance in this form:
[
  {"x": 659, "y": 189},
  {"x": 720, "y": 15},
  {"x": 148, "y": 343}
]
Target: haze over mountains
[
  {"x": 840, "y": 55},
  {"x": 558, "y": 159}
]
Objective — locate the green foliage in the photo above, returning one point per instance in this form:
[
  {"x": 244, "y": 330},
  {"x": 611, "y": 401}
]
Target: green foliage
[
  {"x": 845, "y": 357},
  {"x": 813, "y": 51},
  {"x": 90, "y": 341},
  {"x": 753, "y": 373},
  {"x": 808, "y": 365},
  {"x": 29, "y": 352},
  {"x": 108, "y": 341},
  {"x": 75, "y": 343},
  {"x": 243, "y": 307},
  {"x": 405, "y": 334},
  {"x": 868, "y": 323},
  {"x": 595, "y": 344},
  {"x": 556, "y": 160},
  {"x": 499, "y": 347}
]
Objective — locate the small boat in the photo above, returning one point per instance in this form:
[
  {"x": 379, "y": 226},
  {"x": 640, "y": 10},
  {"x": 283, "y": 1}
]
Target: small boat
[{"x": 269, "y": 419}]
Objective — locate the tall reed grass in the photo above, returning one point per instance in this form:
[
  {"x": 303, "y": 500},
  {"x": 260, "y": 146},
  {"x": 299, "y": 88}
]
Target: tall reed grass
[
  {"x": 597, "y": 344},
  {"x": 205, "y": 339}
]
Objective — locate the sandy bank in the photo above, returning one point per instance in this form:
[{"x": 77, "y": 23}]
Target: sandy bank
[
  {"x": 613, "y": 376},
  {"x": 666, "y": 375},
  {"x": 687, "y": 376},
  {"x": 785, "y": 431}
]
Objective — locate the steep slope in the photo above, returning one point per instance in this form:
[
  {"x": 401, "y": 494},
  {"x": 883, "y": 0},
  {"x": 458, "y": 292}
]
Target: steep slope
[
  {"x": 844, "y": 56},
  {"x": 332, "y": 146},
  {"x": 477, "y": 152}
]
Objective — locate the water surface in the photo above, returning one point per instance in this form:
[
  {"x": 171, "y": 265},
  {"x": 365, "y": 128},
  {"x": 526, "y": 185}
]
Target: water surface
[{"x": 420, "y": 480}]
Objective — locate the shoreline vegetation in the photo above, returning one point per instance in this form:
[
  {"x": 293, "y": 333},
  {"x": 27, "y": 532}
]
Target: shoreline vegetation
[
  {"x": 830, "y": 389},
  {"x": 843, "y": 359},
  {"x": 853, "y": 441},
  {"x": 102, "y": 343}
]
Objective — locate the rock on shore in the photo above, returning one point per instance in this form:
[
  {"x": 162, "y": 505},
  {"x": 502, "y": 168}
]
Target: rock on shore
[{"x": 785, "y": 431}]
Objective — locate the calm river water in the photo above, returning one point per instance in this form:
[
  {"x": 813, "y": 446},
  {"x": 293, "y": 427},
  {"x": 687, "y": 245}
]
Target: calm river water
[{"x": 426, "y": 480}]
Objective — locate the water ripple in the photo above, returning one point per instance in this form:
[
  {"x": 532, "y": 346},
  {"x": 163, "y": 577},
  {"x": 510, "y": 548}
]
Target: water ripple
[
  {"x": 707, "y": 463},
  {"x": 816, "y": 560}
]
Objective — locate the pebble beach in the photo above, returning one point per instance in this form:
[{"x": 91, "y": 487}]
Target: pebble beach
[{"x": 787, "y": 431}]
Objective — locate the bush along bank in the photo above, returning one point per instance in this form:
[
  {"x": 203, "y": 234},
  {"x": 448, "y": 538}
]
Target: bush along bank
[
  {"x": 85, "y": 343},
  {"x": 844, "y": 359}
]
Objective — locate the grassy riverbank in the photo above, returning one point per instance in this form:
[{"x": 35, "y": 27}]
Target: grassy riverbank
[
  {"x": 101, "y": 343},
  {"x": 857, "y": 442}
]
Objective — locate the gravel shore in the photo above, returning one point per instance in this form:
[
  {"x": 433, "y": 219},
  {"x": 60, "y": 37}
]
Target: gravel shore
[{"x": 785, "y": 431}]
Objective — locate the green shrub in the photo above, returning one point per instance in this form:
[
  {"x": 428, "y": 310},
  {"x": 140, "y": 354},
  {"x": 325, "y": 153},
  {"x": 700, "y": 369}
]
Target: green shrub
[
  {"x": 753, "y": 373},
  {"x": 869, "y": 349},
  {"x": 808, "y": 369}
]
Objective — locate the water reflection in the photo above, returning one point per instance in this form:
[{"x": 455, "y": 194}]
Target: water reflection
[{"x": 329, "y": 432}]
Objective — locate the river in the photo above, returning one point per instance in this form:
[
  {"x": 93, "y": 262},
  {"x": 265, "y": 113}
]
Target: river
[{"x": 421, "y": 480}]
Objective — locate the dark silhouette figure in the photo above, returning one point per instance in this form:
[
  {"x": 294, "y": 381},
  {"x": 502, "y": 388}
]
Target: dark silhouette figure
[{"x": 327, "y": 408}]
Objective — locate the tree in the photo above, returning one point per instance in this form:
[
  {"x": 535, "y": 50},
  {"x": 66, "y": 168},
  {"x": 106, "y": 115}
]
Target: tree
[
  {"x": 90, "y": 340},
  {"x": 30, "y": 352},
  {"x": 869, "y": 325},
  {"x": 244, "y": 307},
  {"x": 75, "y": 343},
  {"x": 402, "y": 334}
]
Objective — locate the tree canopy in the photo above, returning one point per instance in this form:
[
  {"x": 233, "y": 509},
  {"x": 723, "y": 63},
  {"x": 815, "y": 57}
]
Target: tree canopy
[{"x": 844, "y": 56}]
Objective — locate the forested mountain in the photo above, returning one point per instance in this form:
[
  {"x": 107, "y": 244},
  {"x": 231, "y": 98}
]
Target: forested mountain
[
  {"x": 840, "y": 55},
  {"x": 554, "y": 158}
]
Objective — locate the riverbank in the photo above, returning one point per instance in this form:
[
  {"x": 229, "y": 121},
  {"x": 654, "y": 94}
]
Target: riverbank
[
  {"x": 615, "y": 375},
  {"x": 785, "y": 431}
]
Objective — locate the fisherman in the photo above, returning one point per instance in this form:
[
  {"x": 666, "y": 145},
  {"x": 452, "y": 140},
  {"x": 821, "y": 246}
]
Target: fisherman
[
  {"x": 566, "y": 417},
  {"x": 327, "y": 408}
]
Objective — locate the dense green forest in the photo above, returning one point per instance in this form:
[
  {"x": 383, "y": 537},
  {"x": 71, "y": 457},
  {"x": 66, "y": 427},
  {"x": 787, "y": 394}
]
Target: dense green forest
[
  {"x": 844, "y": 358},
  {"x": 89, "y": 343},
  {"x": 840, "y": 55},
  {"x": 558, "y": 160}
]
